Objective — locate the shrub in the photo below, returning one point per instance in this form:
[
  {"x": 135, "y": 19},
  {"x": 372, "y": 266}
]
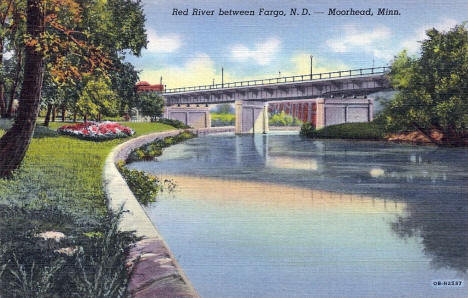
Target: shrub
[
  {"x": 282, "y": 119},
  {"x": 96, "y": 131},
  {"x": 154, "y": 149},
  {"x": 85, "y": 262},
  {"x": 145, "y": 187},
  {"x": 366, "y": 130},
  {"x": 174, "y": 123}
]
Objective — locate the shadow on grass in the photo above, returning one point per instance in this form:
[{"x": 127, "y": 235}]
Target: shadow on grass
[{"x": 39, "y": 132}]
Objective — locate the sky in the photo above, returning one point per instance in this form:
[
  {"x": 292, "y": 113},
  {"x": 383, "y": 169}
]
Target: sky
[{"x": 190, "y": 50}]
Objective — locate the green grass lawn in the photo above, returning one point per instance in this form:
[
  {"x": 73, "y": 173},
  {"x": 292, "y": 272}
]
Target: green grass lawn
[
  {"x": 66, "y": 170},
  {"x": 59, "y": 188},
  {"x": 222, "y": 119},
  {"x": 362, "y": 131}
]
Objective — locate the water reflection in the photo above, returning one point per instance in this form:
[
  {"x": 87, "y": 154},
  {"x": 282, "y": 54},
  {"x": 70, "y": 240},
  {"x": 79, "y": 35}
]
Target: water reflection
[
  {"x": 424, "y": 189},
  {"x": 442, "y": 224}
]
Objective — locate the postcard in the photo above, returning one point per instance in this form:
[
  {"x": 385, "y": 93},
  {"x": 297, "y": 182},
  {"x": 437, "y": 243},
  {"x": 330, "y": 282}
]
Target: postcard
[{"x": 237, "y": 148}]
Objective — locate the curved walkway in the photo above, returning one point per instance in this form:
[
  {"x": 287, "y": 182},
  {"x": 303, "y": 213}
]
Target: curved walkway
[{"x": 156, "y": 272}]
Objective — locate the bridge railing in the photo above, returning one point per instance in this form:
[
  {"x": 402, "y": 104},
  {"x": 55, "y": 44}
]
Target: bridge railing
[{"x": 290, "y": 79}]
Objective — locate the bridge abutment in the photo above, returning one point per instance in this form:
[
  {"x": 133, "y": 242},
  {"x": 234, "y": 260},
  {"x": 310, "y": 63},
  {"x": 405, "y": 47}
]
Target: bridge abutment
[
  {"x": 251, "y": 117},
  {"x": 196, "y": 117}
]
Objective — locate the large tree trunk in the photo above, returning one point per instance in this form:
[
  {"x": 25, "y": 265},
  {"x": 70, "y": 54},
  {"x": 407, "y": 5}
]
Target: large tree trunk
[
  {"x": 14, "y": 144},
  {"x": 74, "y": 116},
  {"x": 15, "y": 82},
  {"x": 47, "y": 116}
]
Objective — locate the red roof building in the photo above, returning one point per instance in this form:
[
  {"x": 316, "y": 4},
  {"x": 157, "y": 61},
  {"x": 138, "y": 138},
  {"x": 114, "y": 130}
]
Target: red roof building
[{"x": 147, "y": 87}]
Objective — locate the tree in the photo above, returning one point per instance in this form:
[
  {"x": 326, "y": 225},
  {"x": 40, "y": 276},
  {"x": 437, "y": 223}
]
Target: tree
[
  {"x": 124, "y": 78},
  {"x": 150, "y": 104},
  {"x": 12, "y": 14},
  {"x": 15, "y": 142},
  {"x": 433, "y": 87},
  {"x": 225, "y": 108},
  {"x": 74, "y": 39},
  {"x": 97, "y": 98}
]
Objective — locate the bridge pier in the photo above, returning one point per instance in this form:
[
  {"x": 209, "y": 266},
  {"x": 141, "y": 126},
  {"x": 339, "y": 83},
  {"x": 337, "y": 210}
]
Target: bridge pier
[
  {"x": 331, "y": 111},
  {"x": 251, "y": 117},
  {"x": 196, "y": 117}
]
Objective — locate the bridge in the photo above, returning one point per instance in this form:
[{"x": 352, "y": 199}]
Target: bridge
[{"x": 337, "y": 97}]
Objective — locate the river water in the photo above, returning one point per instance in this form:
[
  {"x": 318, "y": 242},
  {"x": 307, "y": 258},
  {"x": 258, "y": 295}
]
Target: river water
[{"x": 281, "y": 216}]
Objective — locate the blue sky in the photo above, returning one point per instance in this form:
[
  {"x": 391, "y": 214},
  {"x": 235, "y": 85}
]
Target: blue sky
[{"x": 190, "y": 50}]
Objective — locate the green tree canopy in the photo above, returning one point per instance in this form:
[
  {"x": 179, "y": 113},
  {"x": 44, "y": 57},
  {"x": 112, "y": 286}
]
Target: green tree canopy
[
  {"x": 97, "y": 98},
  {"x": 150, "y": 104},
  {"x": 433, "y": 88}
]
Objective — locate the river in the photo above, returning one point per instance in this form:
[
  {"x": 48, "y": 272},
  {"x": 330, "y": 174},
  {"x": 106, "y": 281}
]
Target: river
[{"x": 278, "y": 215}]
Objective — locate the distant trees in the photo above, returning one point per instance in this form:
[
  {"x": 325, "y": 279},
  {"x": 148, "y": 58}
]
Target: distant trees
[
  {"x": 433, "y": 88},
  {"x": 224, "y": 108}
]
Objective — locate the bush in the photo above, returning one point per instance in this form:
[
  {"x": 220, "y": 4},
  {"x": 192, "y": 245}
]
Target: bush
[
  {"x": 282, "y": 119},
  {"x": 174, "y": 123},
  {"x": 84, "y": 262},
  {"x": 366, "y": 131},
  {"x": 144, "y": 186},
  {"x": 154, "y": 149}
]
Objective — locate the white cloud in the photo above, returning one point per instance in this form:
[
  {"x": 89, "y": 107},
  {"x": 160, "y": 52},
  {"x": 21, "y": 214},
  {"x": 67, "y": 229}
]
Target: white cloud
[
  {"x": 357, "y": 39},
  {"x": 201, "y": 70},
  {"x": 301, "y": 65},
  {"x": 163, "y": 43},
  {"x": 263, "y": 53},
  {"x": 198, "y": 70},
  {"x": 412, "y": 44}
]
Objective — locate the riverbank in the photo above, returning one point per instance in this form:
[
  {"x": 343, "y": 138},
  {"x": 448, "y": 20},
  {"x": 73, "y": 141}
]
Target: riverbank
[
  {"x": 377, "y": 132},
  {"x": 354, "y": 131},
  {"x": 59, "y": 189},
  {"x": 155, "y": 269}
]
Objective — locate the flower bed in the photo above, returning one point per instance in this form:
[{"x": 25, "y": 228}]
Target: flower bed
[{"x": 96, "y": 131}]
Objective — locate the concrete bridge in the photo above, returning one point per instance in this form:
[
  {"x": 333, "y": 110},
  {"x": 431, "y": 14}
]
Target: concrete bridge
[{"x": 338, "y": 97}]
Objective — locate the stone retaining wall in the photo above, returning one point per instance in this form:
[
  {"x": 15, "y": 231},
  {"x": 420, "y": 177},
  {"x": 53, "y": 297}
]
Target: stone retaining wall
[{"x": 155, "y": 271}]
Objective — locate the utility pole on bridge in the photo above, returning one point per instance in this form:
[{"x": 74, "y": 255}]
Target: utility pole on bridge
[
  {"x": 222, "y": 77},
  {"x": 311, "y": 65}
]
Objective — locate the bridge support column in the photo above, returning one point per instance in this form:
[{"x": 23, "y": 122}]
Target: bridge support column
[
  {"x": 251, "y": 117},
  {"x": 332, "y": 111},
  {"x": 196, "y": 117}
]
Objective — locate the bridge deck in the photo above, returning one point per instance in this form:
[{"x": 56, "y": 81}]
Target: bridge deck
[{"x": 317, "y": 77}]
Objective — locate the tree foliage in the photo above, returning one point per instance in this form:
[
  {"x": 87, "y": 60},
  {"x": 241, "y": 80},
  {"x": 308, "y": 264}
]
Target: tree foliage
[
  {"x": 150, "y": 104},
  {"x": 69, "y": 40},
  {"x": 97, "y": 98},
  {"x": 433, "y": 88}
]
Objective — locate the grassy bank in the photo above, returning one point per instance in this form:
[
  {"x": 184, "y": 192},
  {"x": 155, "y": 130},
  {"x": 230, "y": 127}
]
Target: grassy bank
[
  {"x": 59, "y": 188},
  {"x": 358, "y": 131},
  {"x": 222, "y": 119}
]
